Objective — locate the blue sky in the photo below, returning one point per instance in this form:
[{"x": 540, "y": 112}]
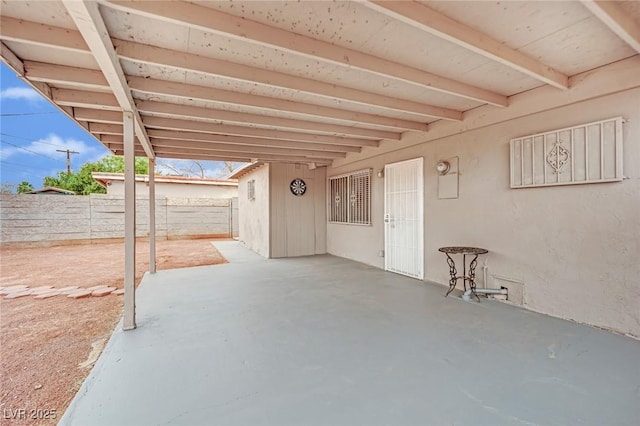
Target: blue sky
[{"x": 31, "y": 130}]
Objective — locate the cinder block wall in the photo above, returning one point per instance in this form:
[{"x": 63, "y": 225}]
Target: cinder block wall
[{"x": 63, "y": 218}]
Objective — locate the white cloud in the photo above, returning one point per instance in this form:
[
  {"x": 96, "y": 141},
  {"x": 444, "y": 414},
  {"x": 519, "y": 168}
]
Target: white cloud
[{"x": 20, "y": 93}]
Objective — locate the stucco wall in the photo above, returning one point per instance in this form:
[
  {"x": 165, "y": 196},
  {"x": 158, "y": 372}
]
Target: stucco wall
[
  {"x": 576, "y": 248},
  {"x": 254, "y": 214},
  {"x": 49, "y": 219},
  {"x": 298, "y": 223},
  {"x": 179, "y": 190}
]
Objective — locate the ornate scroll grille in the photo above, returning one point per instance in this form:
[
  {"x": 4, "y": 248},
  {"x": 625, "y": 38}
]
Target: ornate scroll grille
[
  {"x": 350, "y": 198},
  {"x": 589, "y": 153}
]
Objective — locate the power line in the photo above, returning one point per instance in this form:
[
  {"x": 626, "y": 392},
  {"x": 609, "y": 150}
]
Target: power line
[
  {"x": 19, "y": 114},
  {"x": 28, "y": 150},
  {"x": 25, "y": 166},
  {"x": 32, "y": 140}
]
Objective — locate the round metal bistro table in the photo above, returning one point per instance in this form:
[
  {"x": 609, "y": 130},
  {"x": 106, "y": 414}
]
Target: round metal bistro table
[{"x": 471, "y": 277}]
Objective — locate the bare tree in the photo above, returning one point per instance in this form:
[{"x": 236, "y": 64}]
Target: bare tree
[
  {"x": 160, "y": 165},
  {"x": 195, "y": 165},
  {"x": 195, "y": 168},
  {"x": 228, "y": 167}
]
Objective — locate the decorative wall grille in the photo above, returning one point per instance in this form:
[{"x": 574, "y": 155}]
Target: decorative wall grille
[
  {"x": 251, "y": 190},
  {"x": 350, "y": 198},
  {"x": 589, "y": 153}
]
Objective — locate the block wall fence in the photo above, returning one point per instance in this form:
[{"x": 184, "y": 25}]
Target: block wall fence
[{"x": 60, "y": 219}]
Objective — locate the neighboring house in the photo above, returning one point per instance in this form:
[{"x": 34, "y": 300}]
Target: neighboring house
[
  {"x": 50, "y": 190},
  {"x": 171, "y": 186}
]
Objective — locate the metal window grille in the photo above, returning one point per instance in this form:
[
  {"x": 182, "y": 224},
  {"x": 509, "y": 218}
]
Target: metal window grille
[
  {"x": 251, "y": 190},
  {"x": 350, "y": 198},
  {"x": 589, "y": 153}
]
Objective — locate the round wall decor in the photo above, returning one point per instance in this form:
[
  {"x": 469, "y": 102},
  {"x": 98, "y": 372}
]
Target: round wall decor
[{"x": 298, "y": 187}]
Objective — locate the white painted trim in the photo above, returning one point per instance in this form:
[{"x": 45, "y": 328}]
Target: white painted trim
[
  {"x": 152, "y": 215},
  {"x": 88, "y": 19},
  {"x": 623, "y": 25},
  {"x": 129, "y": 319},
  {"x": 582, "y": 182}
]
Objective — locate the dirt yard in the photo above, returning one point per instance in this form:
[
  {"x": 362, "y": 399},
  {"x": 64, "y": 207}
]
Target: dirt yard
[{"x": 48, "y": 346}]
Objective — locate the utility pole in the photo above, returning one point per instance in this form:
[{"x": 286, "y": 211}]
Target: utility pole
[{"x": 69, "y": 152}]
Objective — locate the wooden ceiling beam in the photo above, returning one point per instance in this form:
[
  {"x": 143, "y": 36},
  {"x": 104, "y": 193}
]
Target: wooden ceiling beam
[
  {"x": 210, "y": 20},
  {"x": 209, "y": 94},
  {"x": 215, "y": 67},
  {"x": 117, "y": 149},
  {"x": 105, "y": 129},
  {"x": 97, "y": 116},
  {"x": 426, "y": 19},
  {"x": 182, "y": 111},
  {"x": 249, "y": 141},
  {"x": 22, "y": 31},
  {"x": 88, "y": 19},
  {"x": 621, "y": 23},
  {"x": 195, "y": 154},
  {"x": 224, "y": 129},
  {"x": 251, "y": 150},
  {"x": 86, "y": 79},
  {"x": 85, "y": 99},
  {"x": 81, "y": 78},
  {"x": 30, "y": 32}
]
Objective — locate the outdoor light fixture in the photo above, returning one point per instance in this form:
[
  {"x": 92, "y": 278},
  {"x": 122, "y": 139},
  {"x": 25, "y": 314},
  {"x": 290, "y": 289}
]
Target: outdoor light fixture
[
  {"x": 380, "y": 173},
  {"x": 443, "y": 167}
]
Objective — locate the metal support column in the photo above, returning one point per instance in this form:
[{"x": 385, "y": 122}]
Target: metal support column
[
  {"x": 129, "y": 322},
  {"x": 152, "y": 216}
]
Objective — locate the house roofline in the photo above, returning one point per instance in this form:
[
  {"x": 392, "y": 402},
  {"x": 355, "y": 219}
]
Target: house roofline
[
  {"x": 244, "y": 169},
  {"x": 52, "y": 189},
  {"x": 103, "y": 179}
]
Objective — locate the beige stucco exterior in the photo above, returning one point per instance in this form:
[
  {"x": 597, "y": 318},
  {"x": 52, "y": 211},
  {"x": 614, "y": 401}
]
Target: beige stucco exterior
[
  {"x": 277, "y": 223},
  {"x": 253, "y": 215},
  {"x": 575, "y": 248}
]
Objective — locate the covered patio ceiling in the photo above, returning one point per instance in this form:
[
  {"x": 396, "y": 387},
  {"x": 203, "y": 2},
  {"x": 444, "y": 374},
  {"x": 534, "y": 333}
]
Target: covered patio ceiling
[{"x": 306, "y": 82}]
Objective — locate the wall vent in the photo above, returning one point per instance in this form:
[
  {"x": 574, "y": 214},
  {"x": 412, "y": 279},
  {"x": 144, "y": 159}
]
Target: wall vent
[{"x": 514, "y": 287}]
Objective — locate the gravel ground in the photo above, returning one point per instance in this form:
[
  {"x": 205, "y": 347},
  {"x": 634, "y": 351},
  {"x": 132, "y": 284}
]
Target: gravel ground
[{"x": 48, "y": 346}]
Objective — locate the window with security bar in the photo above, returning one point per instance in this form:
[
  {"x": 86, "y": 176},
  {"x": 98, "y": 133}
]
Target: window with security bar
[{"x": 350, "y": 198}]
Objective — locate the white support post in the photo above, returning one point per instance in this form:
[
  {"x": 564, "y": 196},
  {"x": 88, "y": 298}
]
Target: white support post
[
  {"x": 152, "y": 216},
  {"x": 129, "y": 322}
]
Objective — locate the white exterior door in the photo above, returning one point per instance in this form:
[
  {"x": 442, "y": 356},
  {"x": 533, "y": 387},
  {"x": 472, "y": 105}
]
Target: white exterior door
[{"x": 403, "y": 218}]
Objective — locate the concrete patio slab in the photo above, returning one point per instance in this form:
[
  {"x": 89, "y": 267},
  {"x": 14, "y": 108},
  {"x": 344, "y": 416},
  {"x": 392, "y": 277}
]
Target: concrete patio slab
[{"x": 325, "y": 341}]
